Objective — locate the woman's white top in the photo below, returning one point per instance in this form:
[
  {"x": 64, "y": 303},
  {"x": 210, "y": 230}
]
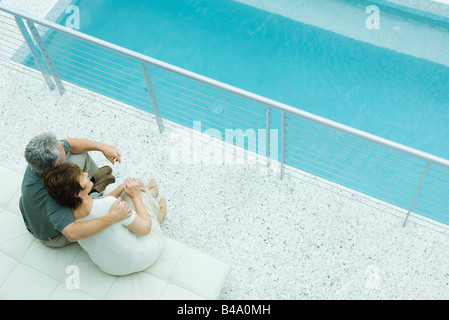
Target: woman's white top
[{"x": 117, "y": 250}]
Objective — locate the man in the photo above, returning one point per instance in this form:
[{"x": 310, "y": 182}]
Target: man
[{"x": 46, "y": 219}]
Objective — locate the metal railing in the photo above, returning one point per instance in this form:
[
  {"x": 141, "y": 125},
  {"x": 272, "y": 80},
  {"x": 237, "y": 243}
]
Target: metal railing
[{"x": 409, "y": 179}]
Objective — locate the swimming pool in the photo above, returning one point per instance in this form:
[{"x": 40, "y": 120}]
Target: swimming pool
[{"x": 391, "y": 94}]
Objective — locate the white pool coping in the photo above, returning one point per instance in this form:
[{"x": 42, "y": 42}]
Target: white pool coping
[
  {"x": 297, "y": 238},
  {"x": 394, "y": 33}
]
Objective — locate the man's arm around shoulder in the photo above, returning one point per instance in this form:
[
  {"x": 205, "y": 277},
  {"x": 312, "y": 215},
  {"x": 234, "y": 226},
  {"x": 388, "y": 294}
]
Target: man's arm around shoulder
[{"x": 79, "y": 230}]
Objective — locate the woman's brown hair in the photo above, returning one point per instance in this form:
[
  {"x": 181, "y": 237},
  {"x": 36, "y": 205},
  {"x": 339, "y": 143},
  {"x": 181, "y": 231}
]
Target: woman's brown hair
[{"x": 62, "y": 184}]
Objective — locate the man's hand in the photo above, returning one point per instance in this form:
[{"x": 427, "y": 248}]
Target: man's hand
[
  {"x": 119, "y": 210},
  {"x": 111, "y": 153}
]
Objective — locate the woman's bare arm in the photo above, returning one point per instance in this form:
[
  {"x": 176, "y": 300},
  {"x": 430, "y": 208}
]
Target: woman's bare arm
[
  {"x": 142, "y": 222},
  {"x": 116, "y": 192}
]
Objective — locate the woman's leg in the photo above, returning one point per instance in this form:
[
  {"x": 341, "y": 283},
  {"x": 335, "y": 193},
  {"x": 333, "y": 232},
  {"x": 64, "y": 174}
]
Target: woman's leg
[{"x": 154, "y": 191}]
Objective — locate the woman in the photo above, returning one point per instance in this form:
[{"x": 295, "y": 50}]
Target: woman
[{"x": 125, "y": 247}]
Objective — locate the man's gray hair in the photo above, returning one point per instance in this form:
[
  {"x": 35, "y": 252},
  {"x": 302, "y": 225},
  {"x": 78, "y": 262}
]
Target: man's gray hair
[{"x": 42, "y": 154}]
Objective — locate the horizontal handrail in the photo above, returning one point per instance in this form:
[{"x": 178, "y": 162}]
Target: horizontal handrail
[{"x": 234, "y": 90}]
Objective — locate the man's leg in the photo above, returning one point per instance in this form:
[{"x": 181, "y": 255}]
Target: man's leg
[
  {"x": 87, "y": 164},
  {"x": 57, "y": 242},
  {"x": 84, "y": 161}
]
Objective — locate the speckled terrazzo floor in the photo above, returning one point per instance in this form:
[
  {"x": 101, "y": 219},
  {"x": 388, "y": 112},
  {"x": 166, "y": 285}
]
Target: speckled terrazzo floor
[{"x": 299, "y": 238}]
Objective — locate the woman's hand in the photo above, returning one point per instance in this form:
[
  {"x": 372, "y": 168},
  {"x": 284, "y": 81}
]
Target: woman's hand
[{"x": 133, "y": 187}]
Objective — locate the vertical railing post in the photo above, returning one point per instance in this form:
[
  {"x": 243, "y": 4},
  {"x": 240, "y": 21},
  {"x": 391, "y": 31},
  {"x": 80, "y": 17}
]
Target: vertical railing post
[
  {"x": 282, "y": 145},
  {"x": 35, "y": 52},
  {"x": 267, "y": 135},
  {"x": 151, "y": 92},
  {"x": 42, "y": 48},
  {"x": 416, "y": 194}
]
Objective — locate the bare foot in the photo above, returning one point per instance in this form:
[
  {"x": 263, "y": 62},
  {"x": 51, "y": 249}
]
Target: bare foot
[{"x": 154, "y": 189}]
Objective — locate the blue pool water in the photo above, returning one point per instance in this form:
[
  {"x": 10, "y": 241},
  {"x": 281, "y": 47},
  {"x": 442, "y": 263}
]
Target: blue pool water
[{"x": 386, "y": 93}]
